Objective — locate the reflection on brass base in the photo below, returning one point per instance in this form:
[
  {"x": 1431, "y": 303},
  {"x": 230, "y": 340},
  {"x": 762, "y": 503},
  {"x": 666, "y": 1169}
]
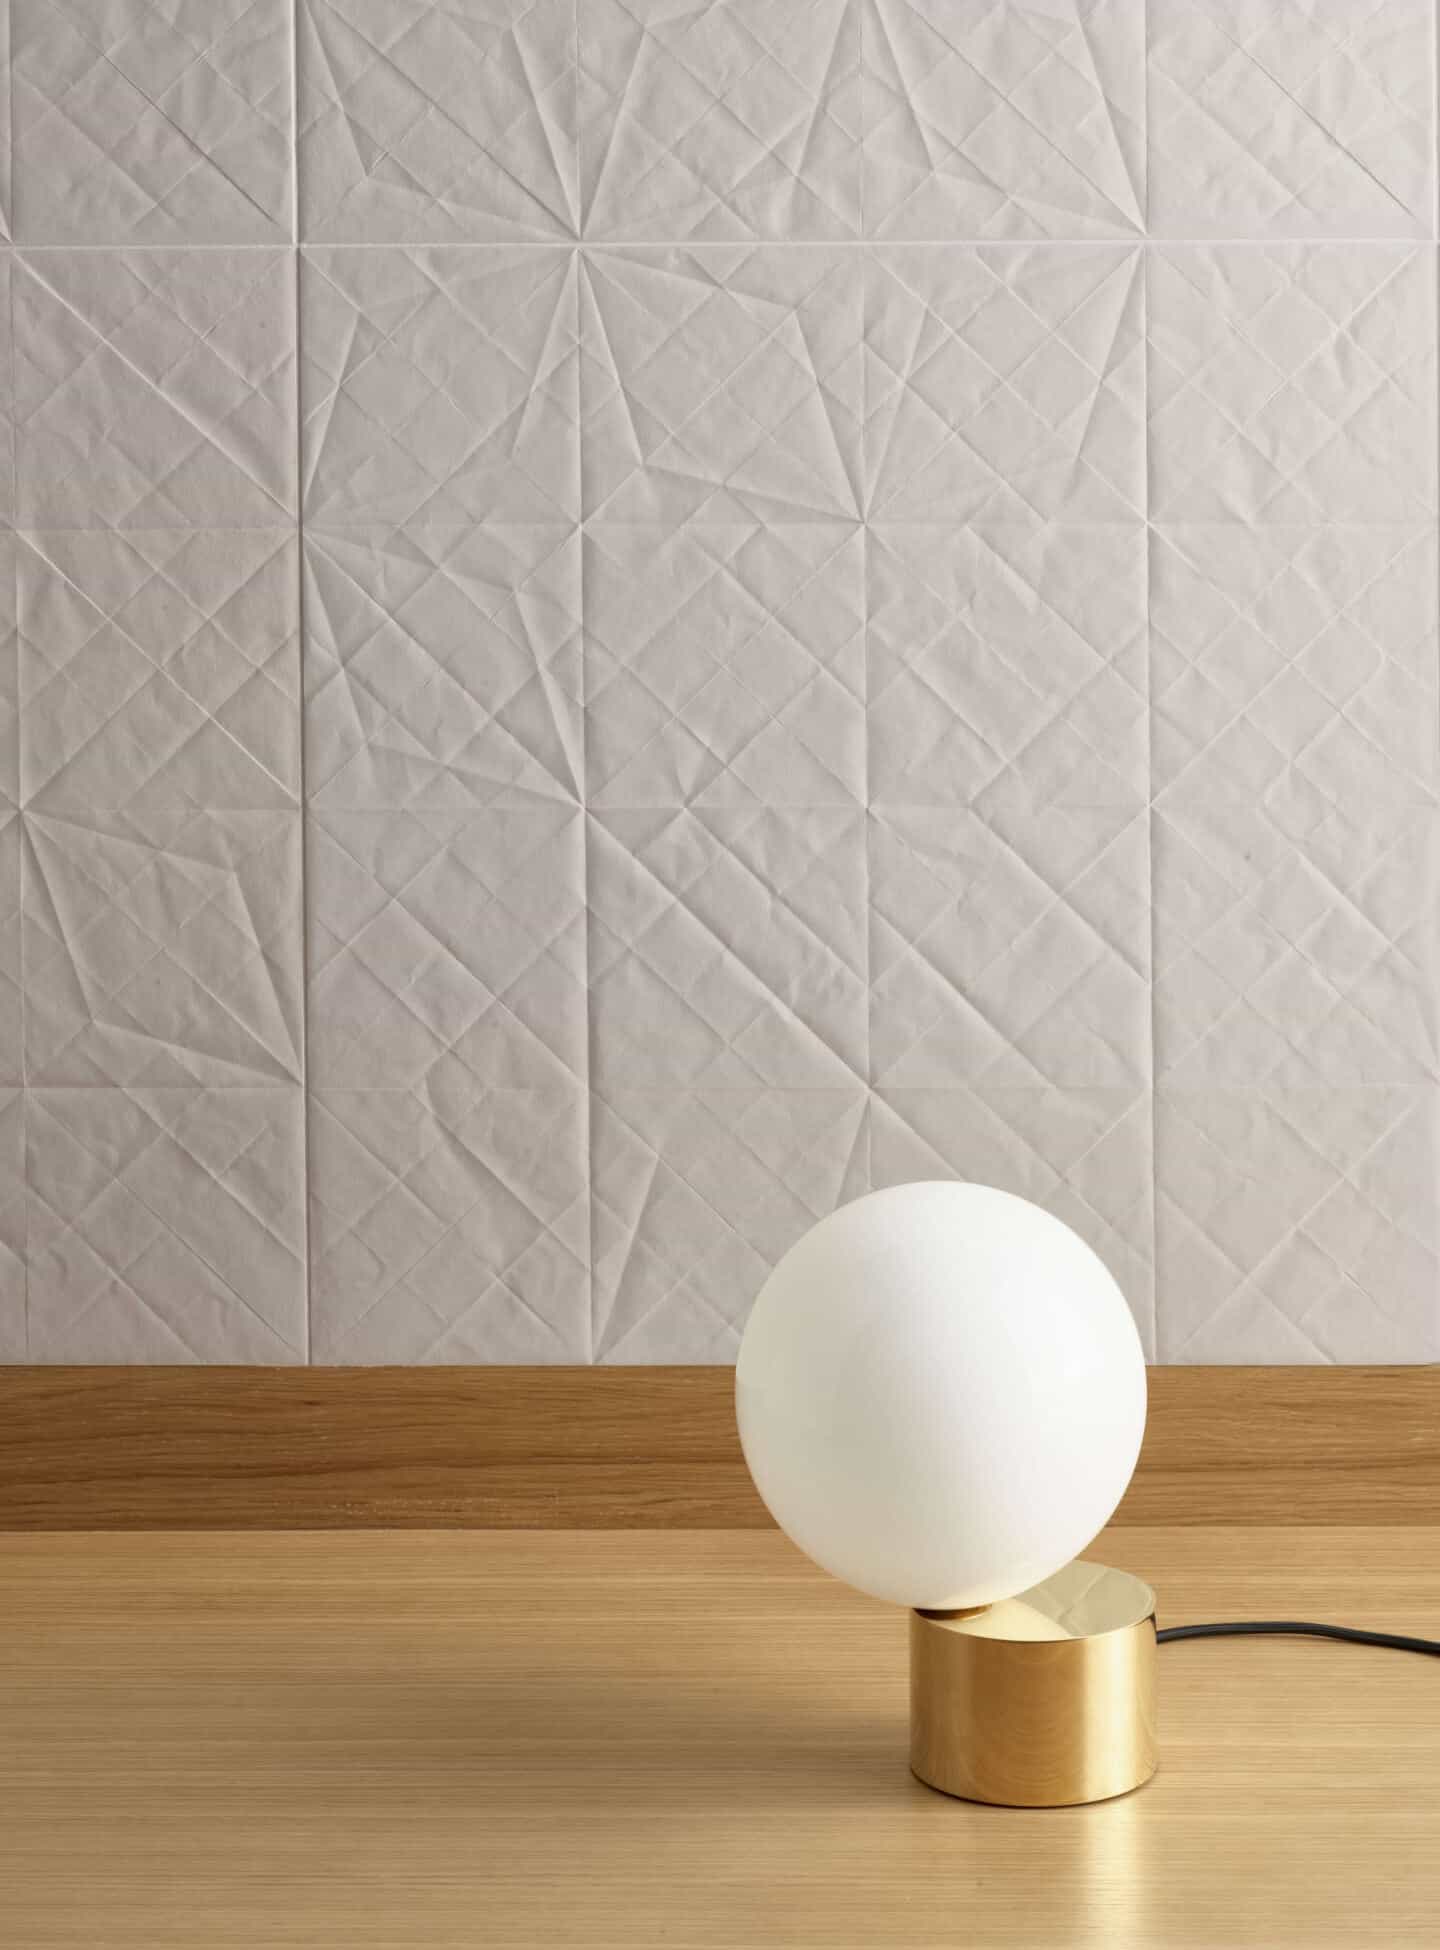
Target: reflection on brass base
[{"x": 1038, "y": 1701}]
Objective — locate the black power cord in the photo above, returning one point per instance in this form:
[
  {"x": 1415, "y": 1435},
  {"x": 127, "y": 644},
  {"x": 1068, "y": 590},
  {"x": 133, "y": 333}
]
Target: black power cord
[{"x": 1395, "y": 1641}]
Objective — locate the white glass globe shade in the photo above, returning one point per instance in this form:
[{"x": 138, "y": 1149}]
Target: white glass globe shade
[{"x": 941, "y": 1394}]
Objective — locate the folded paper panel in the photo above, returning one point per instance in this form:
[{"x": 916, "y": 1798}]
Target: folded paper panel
[
  {"x": 443, "y": 666},
  {"x": 720, "y": 124},
  {"x": 430, "y": 123},
  {"x": 1087, "y": 1155},
  {"x": 1269, "y": 118},
  {"x": 138, "y": 123},
  {"x": 166, "y": 1225},
  {"x": 439, "y": 387},
  {"x": 727, "y": 948},
  {"x": 159, "y": 669},
  {"x": 448, "y": 1223},
  {"x": 1296, "y": 1225},
  {"x": 1004, "y": 120},
  {"x": 669, "y": 613},
  {"x": 447, "y": 949},
  {"x": 724, "y": 664},
  {"x": 695, "y": 1195}
]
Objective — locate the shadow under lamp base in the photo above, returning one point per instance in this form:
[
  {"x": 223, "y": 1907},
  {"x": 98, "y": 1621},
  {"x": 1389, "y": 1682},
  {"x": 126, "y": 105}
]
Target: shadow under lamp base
[{"x": 1038, "y": 1701}]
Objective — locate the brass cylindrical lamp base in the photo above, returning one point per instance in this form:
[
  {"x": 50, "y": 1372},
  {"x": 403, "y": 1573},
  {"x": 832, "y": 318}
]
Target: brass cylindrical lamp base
[{"x": 1038, "y": 1701}]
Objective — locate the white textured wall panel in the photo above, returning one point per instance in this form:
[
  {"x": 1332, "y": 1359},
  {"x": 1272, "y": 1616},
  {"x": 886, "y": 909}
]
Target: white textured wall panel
[{"x": 619, "y": 622}]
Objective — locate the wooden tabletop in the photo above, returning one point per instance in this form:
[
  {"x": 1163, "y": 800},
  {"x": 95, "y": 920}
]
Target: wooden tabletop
[{"x": 415, "y": 1739}]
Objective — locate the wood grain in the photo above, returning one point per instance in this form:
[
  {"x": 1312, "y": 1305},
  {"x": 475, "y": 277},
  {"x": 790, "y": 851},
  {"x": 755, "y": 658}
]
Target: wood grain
[
  {"x": 617, "y": 1448},
  {"x": 364, "y": 1742}
]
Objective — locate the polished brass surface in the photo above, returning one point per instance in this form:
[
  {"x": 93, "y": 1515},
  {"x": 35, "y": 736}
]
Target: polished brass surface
[{"x": 1041, "y": 1700}]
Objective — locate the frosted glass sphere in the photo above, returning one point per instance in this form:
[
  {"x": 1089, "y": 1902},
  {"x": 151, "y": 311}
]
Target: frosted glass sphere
[{"x": 941, "y": 1394}]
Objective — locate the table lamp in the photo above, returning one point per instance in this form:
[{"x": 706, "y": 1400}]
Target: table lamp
[{"x": 941, "y": 1395}]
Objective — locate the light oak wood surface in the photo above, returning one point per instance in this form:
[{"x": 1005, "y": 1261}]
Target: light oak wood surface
[
  {"x": 672, "y": 1738},
  {"x": 621, "y": 1448}
]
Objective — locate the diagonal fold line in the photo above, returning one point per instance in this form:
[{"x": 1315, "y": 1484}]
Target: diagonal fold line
[
  {"x": 227, "y": 878},
  {"x": 109, "y": 621},
  {"x": 375, "y": 738},
  {"x": 199, "y": 157},
  {"x": 656, "y": 1163},
  {"x": 773, "y": 899},
  {"x": 447, "y": 1141},
  {"x": 208, "y": 437},
  {"x": 188, "y": 1246},
  {"x": 981, "y": 1095},
  {"x": 1249, "y": 1276},
  {"x": 1328, "y": 136}
]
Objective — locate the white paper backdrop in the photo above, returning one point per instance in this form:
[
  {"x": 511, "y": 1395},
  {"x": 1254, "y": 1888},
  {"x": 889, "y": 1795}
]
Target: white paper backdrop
[{"x": 862, "y": 577}]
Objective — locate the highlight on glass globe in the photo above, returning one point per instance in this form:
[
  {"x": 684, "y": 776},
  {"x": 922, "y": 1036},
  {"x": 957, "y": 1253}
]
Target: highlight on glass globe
[{"x": 941, "y": 1394}]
